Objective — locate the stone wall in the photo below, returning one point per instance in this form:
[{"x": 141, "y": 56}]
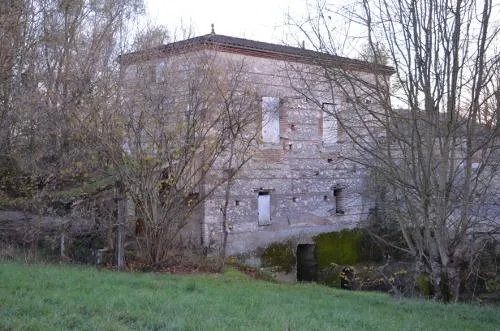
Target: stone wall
[{"x": 299, "y": 173}]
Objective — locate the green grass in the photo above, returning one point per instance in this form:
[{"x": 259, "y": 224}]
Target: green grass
[{"x": 43, "y": 297}]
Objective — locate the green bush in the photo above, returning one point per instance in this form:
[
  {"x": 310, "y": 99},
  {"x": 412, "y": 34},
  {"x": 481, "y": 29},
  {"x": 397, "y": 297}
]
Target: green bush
[
  {"x": 424, "y": 285},
  {"x": 347, "y": 247},
  {"x": 330, "y": 276},
  {"x": 279, "y": 255},
  {"x": 84, "y": 247},
  {"x": 493, "y": 285}
]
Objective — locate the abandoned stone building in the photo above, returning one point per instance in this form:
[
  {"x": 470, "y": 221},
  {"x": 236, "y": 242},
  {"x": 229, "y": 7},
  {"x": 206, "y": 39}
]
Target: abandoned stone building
[{"x": 298, "y": 182}]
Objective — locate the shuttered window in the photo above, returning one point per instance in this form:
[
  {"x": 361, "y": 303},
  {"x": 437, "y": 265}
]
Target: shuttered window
[
  {"x": 270, "y": 120},
  {"x": 330, "y": 125},
  {"x": 264, "y": 206},
  {"x": 160, "y": 71}
]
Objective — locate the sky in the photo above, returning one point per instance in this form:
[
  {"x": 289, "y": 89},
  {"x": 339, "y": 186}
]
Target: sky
[{"x": 261, "y": 20}]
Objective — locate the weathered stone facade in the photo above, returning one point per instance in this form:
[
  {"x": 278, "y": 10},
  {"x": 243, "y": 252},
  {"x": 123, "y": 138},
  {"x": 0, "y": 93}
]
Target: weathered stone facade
[
  {"x": 312, "y": 188},
  {"x": 301, "y": 179}
]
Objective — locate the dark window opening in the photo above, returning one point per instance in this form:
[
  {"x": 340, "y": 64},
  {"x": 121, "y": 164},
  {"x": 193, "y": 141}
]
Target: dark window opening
[
  {"x": 294, "y": 199},
  {"x": 237, "y": 202},
  {"x": 339, "y": 200}
]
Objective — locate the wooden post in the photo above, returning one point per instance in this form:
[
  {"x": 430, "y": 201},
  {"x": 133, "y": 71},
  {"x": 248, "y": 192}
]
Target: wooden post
[
  {"x": 120, "y": 222},
  {"x": 63, "y": 248}
]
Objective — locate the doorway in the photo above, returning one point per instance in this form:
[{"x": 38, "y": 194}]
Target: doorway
[{"x": 306, "y": 263}]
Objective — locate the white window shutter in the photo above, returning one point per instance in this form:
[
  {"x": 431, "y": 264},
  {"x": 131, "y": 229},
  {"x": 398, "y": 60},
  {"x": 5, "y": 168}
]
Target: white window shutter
[
  {"x": 330, "y": 127},
  {"x": 160, "y": 71},
  {"x": 270, "y": 120},
  {"x": 264, "y": 206}
]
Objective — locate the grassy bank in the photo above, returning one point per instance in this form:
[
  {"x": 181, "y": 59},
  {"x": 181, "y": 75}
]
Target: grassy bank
[{"x": 38, "y": 297}]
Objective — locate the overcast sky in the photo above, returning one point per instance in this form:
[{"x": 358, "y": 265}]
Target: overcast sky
[{"x": 261, "y": 20}]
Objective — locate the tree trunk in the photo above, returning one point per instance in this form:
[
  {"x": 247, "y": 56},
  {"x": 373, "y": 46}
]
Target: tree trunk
[
  {"x": 63, "y": 246},
  {"x": 445, "y": 282},
  {"x": 454, "y": 283}
]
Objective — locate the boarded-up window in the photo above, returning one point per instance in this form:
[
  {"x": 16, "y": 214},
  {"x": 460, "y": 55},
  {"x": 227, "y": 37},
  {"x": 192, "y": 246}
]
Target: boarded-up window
[
  {"x": 160, "y": 71},
  {"x": 270, "y": 120},
  {"x": 264, "y": 206},
  {"x": 330, "y": 125}
]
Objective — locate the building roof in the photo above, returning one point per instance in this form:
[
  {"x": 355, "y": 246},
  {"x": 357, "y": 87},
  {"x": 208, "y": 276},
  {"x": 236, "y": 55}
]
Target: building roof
[{"x": 253, "y": 48}]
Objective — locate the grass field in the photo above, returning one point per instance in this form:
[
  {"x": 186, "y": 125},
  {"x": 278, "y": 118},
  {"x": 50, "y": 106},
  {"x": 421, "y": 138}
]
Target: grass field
[{"x": 43, "y": 297}]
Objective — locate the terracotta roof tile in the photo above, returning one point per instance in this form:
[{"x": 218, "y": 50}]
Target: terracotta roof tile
[{"x": 255, "y": 48}]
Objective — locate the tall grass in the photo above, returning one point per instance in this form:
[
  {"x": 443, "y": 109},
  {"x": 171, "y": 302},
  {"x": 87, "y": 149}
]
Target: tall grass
[{"x": 42, "y": 297}]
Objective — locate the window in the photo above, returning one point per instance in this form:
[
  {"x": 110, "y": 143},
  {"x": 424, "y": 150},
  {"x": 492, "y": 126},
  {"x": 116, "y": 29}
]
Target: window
[
  {"x": 329, "y": 125},
  {"x": 160, "y": 71},
  {"x": 270, "y": 120},
  {"x": 264, "y": 207},
  {"x": 338, "y": 193}
]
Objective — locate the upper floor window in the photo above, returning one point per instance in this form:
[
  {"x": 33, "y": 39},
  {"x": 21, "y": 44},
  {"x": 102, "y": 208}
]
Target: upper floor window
[
  {"x": 160, "y": 71},
  {"x": 270, "y": 120},
  {"x": 329, "y": 124}
]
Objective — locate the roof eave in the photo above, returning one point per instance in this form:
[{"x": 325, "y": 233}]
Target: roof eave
[{"x": 295, "y": 55}]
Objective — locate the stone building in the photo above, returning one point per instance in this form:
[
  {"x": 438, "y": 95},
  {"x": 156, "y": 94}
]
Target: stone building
[{"x": 298, "y": 182}]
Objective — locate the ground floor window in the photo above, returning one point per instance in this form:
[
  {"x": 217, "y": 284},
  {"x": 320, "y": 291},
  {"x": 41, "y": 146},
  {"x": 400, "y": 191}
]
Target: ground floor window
[
  {"x": 338, "y": 193},
  {"x": 264, "y": 207}
]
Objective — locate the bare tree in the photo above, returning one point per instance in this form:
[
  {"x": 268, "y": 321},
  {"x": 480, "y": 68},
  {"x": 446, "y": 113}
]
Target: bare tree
[
  {"x": 17, "y": 39},
  {"x": 425, "y": 140},
  {"x": 239, "y": 128},
  {"x": 58, "y": 81},
  {"x": 183, "y": 116},
  {"x": 59, "y": 74}
]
